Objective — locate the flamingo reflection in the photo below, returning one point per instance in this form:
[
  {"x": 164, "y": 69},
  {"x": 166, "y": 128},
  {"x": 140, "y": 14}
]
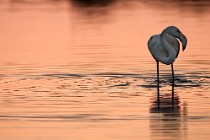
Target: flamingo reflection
[{"x": 168, "y": 116}]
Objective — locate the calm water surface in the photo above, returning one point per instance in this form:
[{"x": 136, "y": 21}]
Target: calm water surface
[{"x": 82, "y": 70}]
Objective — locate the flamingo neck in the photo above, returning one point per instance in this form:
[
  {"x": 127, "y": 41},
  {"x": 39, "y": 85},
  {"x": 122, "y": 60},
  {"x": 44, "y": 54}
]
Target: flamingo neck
[{"x": 171, "y": 52}]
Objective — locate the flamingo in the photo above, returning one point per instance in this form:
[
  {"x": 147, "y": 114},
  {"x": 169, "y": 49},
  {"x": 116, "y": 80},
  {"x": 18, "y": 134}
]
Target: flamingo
[{"x": 165, "y": 47}]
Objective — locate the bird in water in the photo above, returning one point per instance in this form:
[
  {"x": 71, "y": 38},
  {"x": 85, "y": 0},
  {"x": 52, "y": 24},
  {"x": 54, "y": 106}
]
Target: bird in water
[{"x": 165, "y": 47}]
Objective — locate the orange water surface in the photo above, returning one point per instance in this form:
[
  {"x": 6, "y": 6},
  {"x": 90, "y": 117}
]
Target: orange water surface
[{"x": 81, "y": 70}]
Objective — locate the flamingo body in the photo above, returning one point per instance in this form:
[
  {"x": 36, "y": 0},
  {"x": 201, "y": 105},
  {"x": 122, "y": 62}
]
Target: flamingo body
[{"x": 157, "y": 50}]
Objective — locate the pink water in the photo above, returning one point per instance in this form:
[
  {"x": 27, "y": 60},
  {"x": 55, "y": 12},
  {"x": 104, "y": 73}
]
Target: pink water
[{"x": 75, "y": 71}]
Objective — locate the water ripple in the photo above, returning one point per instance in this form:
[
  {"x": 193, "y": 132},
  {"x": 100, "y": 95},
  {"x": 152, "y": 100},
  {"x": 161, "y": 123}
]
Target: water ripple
[{"x": 74, "y": 117}]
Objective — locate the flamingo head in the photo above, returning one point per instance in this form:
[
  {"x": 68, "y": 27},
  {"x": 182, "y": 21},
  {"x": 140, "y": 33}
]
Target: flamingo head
[{"x": 174, "y": 31}]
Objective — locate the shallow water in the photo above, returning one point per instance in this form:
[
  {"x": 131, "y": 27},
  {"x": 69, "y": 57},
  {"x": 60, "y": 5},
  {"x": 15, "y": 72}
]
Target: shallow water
[{"x": 76, "y": 70}]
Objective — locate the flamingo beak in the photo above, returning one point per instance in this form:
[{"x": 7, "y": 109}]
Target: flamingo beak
[{"x": 183, "y": 39}]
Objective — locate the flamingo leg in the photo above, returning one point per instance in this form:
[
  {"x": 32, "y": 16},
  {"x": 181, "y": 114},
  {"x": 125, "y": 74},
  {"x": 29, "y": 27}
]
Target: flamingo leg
[
  {"x": 158, "y": 90},
  {"x": 172, "y": 70},
  {"x": 157, "y": 73}
]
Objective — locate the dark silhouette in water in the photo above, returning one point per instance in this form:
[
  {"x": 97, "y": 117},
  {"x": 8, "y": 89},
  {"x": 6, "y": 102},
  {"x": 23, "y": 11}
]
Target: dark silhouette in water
[
  {"x": 94, "y": 11},
  {"x": 90, "y": 3}
]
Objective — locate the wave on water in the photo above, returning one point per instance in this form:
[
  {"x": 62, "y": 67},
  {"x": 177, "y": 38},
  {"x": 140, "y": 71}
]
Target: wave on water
[
  {"x": 142, "y": 80},
  {"x": 72, "y": 117},
  {"x": 108, "y": 80}
]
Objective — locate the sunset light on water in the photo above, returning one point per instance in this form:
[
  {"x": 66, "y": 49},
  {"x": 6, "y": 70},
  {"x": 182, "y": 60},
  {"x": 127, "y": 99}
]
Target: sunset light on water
[{"x": 81, "y": 70}]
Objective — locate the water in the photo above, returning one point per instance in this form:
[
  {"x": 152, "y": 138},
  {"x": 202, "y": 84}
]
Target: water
[{"x": 78, "y": 70}]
